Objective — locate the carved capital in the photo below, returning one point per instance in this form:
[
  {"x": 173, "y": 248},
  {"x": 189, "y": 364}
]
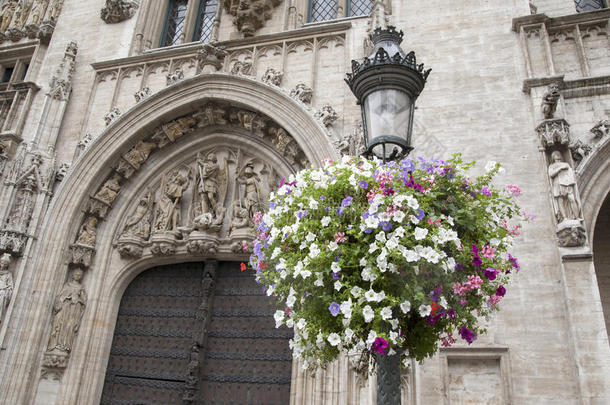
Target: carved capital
[
  {"x": 553, "y": 133},
  {"x": 12, "y": 241},
  {"x": 130, "y": 247},
  {"x": 112, "y": 115},
  {"x": 210, "y": 58},
  {"x": 202, "y": 243},
  {"x": 81, "y": 255},
  {"x": 571, "y": 233},
  {"x": 118, "y": 10},
  {"x": 163, "y": 244}
]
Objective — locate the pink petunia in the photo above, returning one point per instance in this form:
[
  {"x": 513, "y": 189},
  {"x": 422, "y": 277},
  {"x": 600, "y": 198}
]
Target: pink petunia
[
  {"x": 340, "y": 237},
  {"x": 513, "y": 190}
]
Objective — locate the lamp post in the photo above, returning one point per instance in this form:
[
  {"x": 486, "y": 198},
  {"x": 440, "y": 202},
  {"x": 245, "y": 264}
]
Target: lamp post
[{"x": 386, "y": 84}]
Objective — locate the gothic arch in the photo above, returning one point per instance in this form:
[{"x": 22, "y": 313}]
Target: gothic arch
[{"x": 105, "y": 156}]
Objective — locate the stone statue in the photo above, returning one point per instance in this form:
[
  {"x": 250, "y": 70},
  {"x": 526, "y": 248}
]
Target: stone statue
[
  {"x": 211, "y": 114},
  {"x": 212, "y": 181},
  {"x": 6, "y": 14},
  {"x": 168, "y": 207},
  {"x": 88, "y": 233},
  {"x": 37, "y": 11},
  {"x": 241, "y": 217},
  {"x": 137, "y": 155},
  {"x": 563, "y": 188},
  {"x": 110, "y": 190},
  {"x": 252, "y": 191},
  {"x": 55, "y": 9},
  {"x": 549, "y": 101},
  {"x": 67, "y": 313},
  {"x": 138, "y": 224},
  {"x": 6, "y": 284}
]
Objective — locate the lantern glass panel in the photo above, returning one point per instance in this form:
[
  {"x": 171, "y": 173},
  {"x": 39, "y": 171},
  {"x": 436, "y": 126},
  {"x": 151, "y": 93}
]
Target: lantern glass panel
[{"x": 387, "y": 113}]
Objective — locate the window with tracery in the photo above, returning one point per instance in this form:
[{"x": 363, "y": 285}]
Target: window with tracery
[
  {"x": 187, "y": 21},
  {"x": 590, "y": 5},
  {"x": 324, "y": 10}
]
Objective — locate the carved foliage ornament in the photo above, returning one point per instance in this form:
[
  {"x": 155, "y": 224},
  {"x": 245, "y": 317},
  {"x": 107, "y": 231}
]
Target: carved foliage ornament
[
  {"x": 250, "y": 15},
  {"x": 302, "y": 92},
  {"x": 210, "y": 58},
  {"x": 272, "y": 76},
  {"x": 116, "y": 11}
]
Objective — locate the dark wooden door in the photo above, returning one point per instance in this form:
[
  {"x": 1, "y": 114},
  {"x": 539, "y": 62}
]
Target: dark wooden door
[{"x": 197, "y": 333}]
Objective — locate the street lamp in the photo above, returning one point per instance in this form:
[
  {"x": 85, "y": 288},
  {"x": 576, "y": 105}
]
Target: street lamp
[{"x": 386, "y": 84}]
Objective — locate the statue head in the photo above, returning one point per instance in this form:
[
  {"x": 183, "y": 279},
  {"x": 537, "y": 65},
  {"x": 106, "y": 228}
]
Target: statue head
[
  {"x": 92, "y": 222},
  {"x": 211, "y": 157},
  {"x": 5, "y": 261},
  {"x": 77, "y": 275},
  {"x": 556, "y": 156}
]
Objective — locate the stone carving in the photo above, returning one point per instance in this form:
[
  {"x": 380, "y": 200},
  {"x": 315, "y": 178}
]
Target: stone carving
[
  {"x": 81, "y": 255},
  {"x": 563, "y": 188},
  {"x": 601, "y": 129},
  {"x": 303, "y": 93},
  {"x": 88, "y": 232},
  {"x": 34, "y": 19},
  {"x": 173, "y": 130},
  {"x": 7, "y": 14},
  {"x": 241, "y": 217},
  {"x": 272, "y": 76},
  {"x": 62, "y": 171},
  {"x": 351, "y": 143},
  {"x": 250, "y": 121},
  {"x": 28, "y": 184},
  {"x": 167, "y": 213},
  {"x": 211, "y": 114},
  {"x": 83, "y": 144},
  {"x": 210, "y": 58},
  {"x": 550, "y": 100},
  {"x": 118, "y": 10},
  {"x": 175, "y": 77},
  {"x": 137, "y": 155},
  {"x": 67, "y": 314},
  {"x": 54, "y": 10},
  {"x": 37, "y": 12},
  {"x": 285, "y": 144},
  {"x": 554, "y": 133},
  {"x": 250, "y": 190},
  {"x": 61, "y": 82},
  {"x": 112, "y": 115},
  {"x": 141, "y": 94},
  {"x": 242, "y": 68},
  {"x": 6, "y": 284},
  {"x": 327, "y": 115},
  {"x": 250, "y": 15},
  {"x": 109, "y": 190},
  {"x": 137, "y": 228},
  {"x": 12, "y": 241},
  {"x": 579, "y": 151},
  {"x": 571, "y": 234},
  {"x": 211, "y": 190}
]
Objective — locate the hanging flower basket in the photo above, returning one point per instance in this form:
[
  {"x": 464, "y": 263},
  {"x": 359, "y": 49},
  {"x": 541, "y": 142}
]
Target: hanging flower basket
[{"x": 372, "y": 258}]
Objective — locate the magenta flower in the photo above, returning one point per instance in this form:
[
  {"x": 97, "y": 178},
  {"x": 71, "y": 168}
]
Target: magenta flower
[
  {"x": 340, "y": 237},
  {"x": 489, "y": 252},
  {"x": 501, "y": 291},
  {"x": 485, "y": 191},
  {"x": 468, "y": 335},
  {"x": 490, "y": 273},
  {"x": 380, "y": 345}
]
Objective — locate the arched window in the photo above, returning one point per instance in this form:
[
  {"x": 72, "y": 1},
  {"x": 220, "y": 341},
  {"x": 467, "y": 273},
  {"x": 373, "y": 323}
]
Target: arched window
[
  {"x": 590, "y": 5},
  {"x": 188, "y": 21},
  {"x": 324, "y": 10}
]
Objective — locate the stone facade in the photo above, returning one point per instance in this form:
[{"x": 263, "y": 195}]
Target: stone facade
[{"x": 105, "y": 146}]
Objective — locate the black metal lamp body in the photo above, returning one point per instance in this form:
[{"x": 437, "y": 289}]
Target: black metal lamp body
[{"x": 386, "y": 84}]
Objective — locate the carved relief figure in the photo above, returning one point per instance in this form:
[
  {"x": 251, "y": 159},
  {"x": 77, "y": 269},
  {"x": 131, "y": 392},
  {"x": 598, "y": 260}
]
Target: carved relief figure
[
  {"x": 55, "y": 9},
  {"x": 549, "y": 101},
  {"x": 138, "y": 224},
  {"x": 212, "y": 180},
  {"x": 88, "y": 233},
  {"x": 110, "y": 190},
  {"x": 563, "y": 188},
  {"x": 168, "y": 207},
  {"x": 327, "y": 115},
  {"x": 302, "y": 92},
  {"x": 211, "y": 115},
  {"x": 272, "y": 76},
  {"x": 23, "y": 205},
  {"x": 241, "y": 217},
  {"x": 251, "y": 190},
  {"x": 6, "y": 284},
  {"x": 139, "y": 153},
  {"x": 67, "y": 314},
  {"x": 6, "y": 14}
]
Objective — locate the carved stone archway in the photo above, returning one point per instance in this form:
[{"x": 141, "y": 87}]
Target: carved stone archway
[{"x": 65, "y": 221}]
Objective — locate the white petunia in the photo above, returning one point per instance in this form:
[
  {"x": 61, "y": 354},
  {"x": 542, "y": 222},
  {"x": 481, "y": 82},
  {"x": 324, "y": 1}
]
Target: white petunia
[
  {"x": 398, "y": 216},
  {"x": 399, "y": 232},
  {"x": 380, "y": 296},
  {"x": 275, "y": 253},
  {"x": 314, "y": 251},
  {"x": 394, "y": 323},
  {"x": 291, "y": 298},
  {"x": 332, "y": 246},
  {"x": 412, "y": 203},
  {"x": 325, "y": 221},
  {"x": 490, "y": 166},
  {"x": 392, "y": 243},
  {"x": 393, "y": 336},
  {"x": 290, "y": 323},
  {"x": 270, "y": 290},
  {"x": 356, "y": 291},
  {"x": 301, "y": 324},
  {"x": 425, "y": 310},
  {"x": 420, "y": 233},
  {"x": 279, "y": 318},
  {"x": 386, "y": 313},
  {"x": 313, "y": 204},
  {"x": 310, "y": 237},
  {"x": 405, "y": 307},
  {"x": 368, "y": 313},
  {"x": 373, "y": 247},
  {"x": 370, "y": 295},
  {"x": 349, "y": 335},
  {"x": 363, "y": 261},
  {"x": 380, "y": 237},
  {"x": 320, "y": 341},
  {"x": 443, "y": 302},
  {"x": 335, "y": 267},
  {"x": 370, "y": 339},
  {"x": 346, "y": 308},
  {"x": 334, "y": 339},
  {"x": 338, "y": 285}
]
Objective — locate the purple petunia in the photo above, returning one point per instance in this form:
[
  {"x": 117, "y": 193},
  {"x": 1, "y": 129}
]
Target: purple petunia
[
  {"x": 514, "y": 262},
  {"x": 490, "y": 273},
  {"x": 368, "y": 230},
  {"x": 380, "y": 345},
  {"x": 364, "y": 185},
  {"x": 420, "y": 214},
  {"x": 272, "y": 205},
  {"x": 485, "y": 191},
  {"x": 347, "y": 201},
  {"x": 335, "y": 277},
  {"x": 501, "y": 291},
  {"x": 468, "y": 335},
  {"x": 385, "y": 225},
  {"x": 334, "y": 308}
]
